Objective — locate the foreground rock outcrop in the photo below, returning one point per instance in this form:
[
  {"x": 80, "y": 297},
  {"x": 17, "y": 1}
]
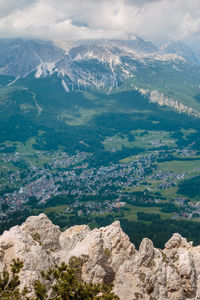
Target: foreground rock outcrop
[{"x": 107, "y": 256}]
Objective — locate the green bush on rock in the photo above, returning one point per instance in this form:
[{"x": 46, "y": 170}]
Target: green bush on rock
[{"x": 61, "y": 282}]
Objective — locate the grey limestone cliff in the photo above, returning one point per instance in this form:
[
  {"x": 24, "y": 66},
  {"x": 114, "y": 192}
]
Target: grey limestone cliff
[{"x": 148, "y": 273}]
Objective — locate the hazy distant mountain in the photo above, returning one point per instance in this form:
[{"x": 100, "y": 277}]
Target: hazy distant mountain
[
  {"x": 168, "y": 76},
  {"x": 180, "y": 49},
  {"x": 19, "y": 57}
]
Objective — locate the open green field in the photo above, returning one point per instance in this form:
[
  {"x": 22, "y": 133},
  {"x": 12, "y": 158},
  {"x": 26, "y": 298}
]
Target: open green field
[
  {"x": 5, "y": 167},
  {"x": 142, "y": 139},
  {"x": 80, "y": 117},
  {"x": 141, "y": 188},
  {"x": 116, "y": 142},
  {"x": 27, "y": 154},
  {"x": 27, "y": 147},
  {"x": 169, "y": 193},
  {"x": 135, "y": 157},
  {"x": 55, "y": 209},
  {"x": 176, "y": 166},
  {"x": 187, "y": 132},
  {"x": 129, "y": 159},
  {"x": 37, "y": 158},
  {"x": 195, "y": 157},
  {"x": 152, "y": 139},
  {"x": 132, "y": 214}
]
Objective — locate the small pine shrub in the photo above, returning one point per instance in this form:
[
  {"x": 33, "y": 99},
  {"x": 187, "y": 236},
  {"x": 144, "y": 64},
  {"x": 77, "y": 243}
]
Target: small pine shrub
[
  {"x": 61, "y": 282},
  {"x": 9, "y": 283}
]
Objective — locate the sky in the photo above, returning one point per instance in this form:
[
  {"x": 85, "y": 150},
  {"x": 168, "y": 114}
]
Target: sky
[{"x": 155, "y": 20}]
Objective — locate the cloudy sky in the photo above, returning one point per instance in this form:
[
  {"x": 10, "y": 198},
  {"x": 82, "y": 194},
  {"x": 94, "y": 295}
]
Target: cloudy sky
[{"x": 156, "y": 20}]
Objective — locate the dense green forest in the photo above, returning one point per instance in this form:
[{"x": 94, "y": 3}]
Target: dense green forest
[{"x": 190, "y": 187}]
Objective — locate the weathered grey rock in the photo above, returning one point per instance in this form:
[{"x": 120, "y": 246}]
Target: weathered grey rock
[
  {"x": 72, "y": 236},
  {"x": 107, "y": 255},
  {"x": 146, "y": 252},
  {"x": 117, "y": 244},
  {"x": 177, "y": 241},
  {"x": 16, "y": 243},
  {"x": 44, "y": 231}
]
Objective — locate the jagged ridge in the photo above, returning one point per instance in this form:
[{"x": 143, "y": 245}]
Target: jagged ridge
[
  {"x": 105, "y": 66},
  {"x": 147, "y": 273}
]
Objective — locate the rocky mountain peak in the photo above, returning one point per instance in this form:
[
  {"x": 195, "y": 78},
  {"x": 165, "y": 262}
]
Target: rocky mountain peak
[
  {"x": 108, "y": 256},
  {"x": 177, "y": 241},
  {"x": 180, "y": 49}
]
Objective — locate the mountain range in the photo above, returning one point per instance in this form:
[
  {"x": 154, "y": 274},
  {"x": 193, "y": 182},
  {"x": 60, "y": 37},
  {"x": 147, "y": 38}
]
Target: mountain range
[
  {"x": 107, "y": 66},
  {"x": 79, "y": 90}
]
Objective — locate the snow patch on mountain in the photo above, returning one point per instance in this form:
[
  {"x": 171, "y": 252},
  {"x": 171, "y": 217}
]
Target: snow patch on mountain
[
  {"x": 65, "y": 86},
  {"x": 44, "y": 69},
  {"x": 169, "y": 57}
]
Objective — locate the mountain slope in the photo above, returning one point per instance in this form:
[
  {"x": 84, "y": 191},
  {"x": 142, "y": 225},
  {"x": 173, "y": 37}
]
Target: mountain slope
[{"x": 19, "y": 57}]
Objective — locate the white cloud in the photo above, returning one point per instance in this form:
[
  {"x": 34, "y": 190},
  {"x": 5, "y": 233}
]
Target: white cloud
[
  {"x": 155, "y": 20},
  {"x": 8, "y": 6}
]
